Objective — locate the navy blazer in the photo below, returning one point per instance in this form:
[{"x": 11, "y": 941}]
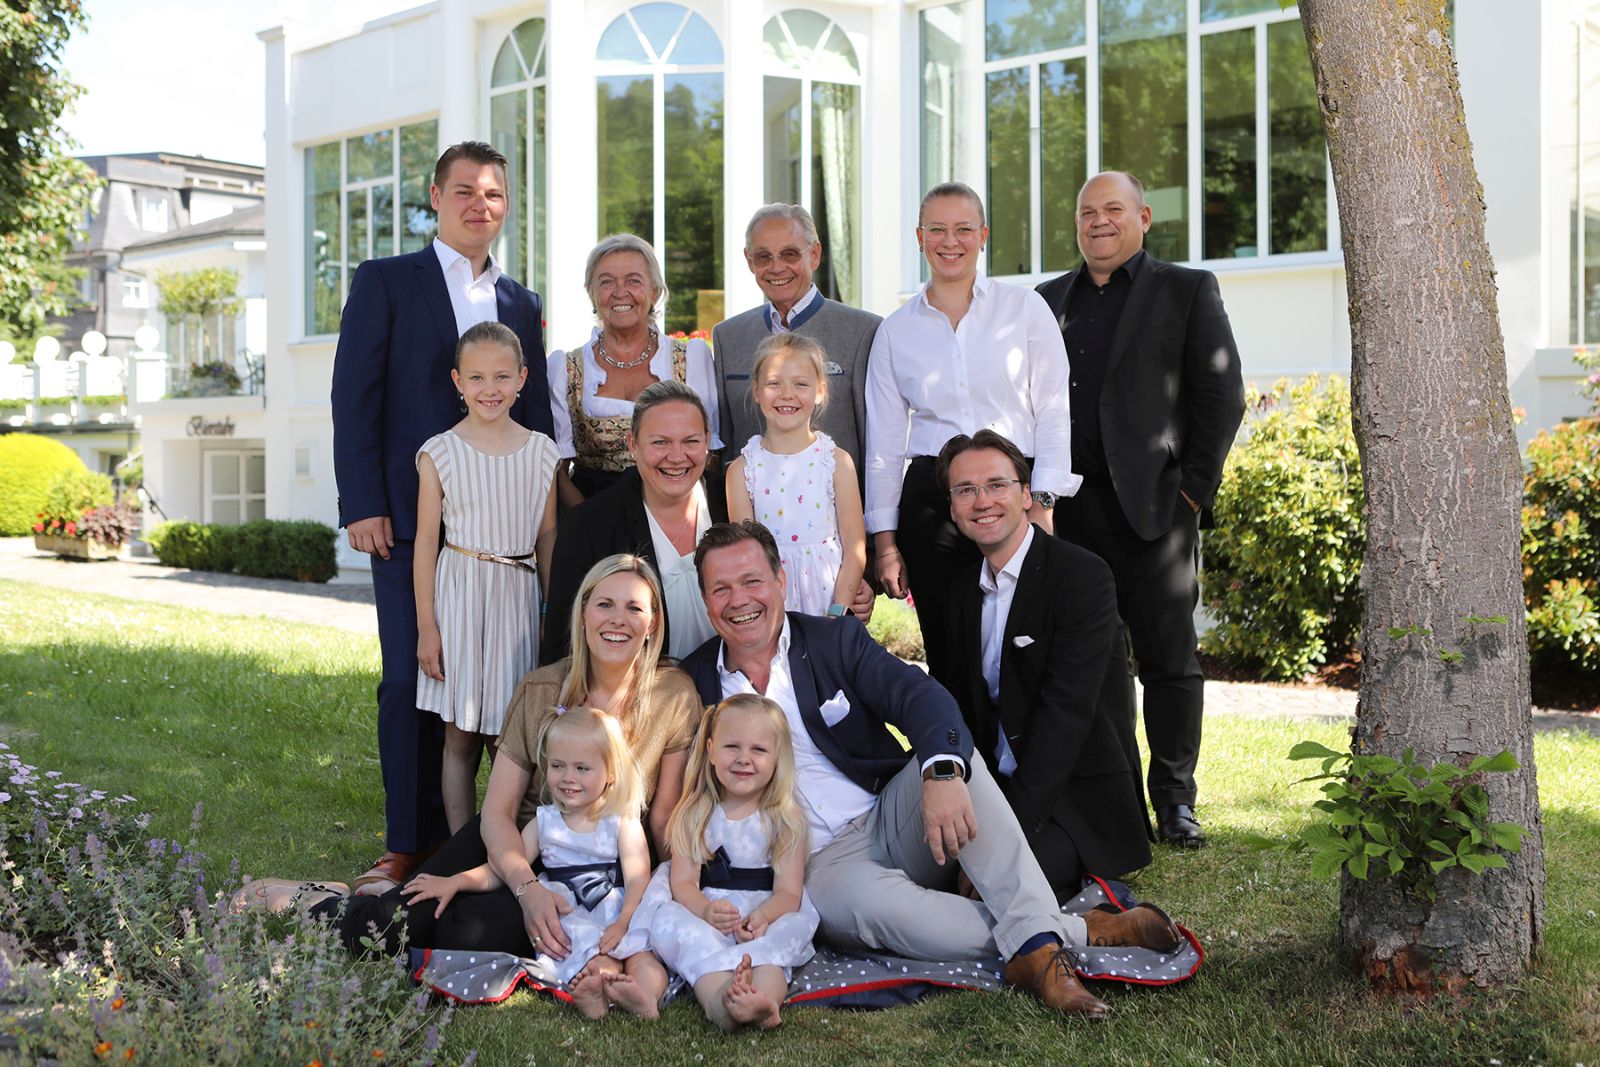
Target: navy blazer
[
  {"x": 391, "y": 380},
  {"x": 828, "y": 656},
  {"x": 1062, "y": 703}
]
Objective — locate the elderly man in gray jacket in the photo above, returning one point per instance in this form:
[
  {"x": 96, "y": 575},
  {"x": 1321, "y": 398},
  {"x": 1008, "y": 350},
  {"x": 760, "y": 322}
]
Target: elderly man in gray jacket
[{"x": 783, "y": 251}]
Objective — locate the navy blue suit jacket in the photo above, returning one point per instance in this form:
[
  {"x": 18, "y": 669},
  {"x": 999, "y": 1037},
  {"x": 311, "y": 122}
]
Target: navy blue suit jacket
[
  {"x": 828, "y": 656},
  {"x": 391, "y": 380}
]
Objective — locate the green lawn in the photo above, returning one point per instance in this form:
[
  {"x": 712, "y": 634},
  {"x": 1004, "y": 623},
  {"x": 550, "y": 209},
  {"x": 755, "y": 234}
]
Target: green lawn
[{"x": 270, "y": 727}]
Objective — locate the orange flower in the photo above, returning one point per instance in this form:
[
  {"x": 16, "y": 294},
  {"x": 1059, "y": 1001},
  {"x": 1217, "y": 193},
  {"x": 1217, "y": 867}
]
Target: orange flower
[
  {"x": 314, "y": 1063},
  {"x": 312, "y": 1024},
  {"x": 102, "y": 1048},
  {"x": 377, "y": 1053},
  {"x": 127, "y": 1053},
  {"x": 116, "y": 1005}
]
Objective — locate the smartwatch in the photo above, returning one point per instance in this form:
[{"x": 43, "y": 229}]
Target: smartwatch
[
  {"x": 836, "y": 610},
  {"x": 1044, "y": 499},
  {"x": 941, "y": 770}
]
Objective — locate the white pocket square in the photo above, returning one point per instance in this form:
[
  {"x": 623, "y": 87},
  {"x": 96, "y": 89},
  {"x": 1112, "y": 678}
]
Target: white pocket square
[{"x": 1022, "y": 640}]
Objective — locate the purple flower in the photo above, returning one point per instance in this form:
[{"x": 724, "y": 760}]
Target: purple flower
[
  {"x": 4, "y": 797},
  {"x": 74, "y": 813}
]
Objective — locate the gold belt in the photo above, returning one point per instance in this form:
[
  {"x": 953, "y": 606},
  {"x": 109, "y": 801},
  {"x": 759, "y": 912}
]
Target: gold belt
[{"x": 490, "y": 557}]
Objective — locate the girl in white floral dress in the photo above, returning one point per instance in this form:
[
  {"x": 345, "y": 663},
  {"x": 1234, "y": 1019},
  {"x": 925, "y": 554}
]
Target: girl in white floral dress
[
  {"x": 798, "y": 483},
  {"x": 739, "y": 919}
]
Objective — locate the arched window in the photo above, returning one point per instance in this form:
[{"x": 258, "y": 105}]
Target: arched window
[
  {"x": 516, "y": 128},
  {"x": 813, "y": 137},
  {"x": 659, "y": 118}
]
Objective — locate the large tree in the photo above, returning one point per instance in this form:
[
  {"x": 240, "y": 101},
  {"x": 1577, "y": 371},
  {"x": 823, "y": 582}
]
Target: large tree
[
  {"x": 44, "y": 193},
  {"x": 1443, "y": 479}
]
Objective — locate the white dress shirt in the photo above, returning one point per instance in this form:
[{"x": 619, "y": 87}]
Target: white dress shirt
[
  {"x": 680, "y": 583},
  {"x": 998, "y": 592},
  {"x": 775, "y": 322},
  {"x": 1003, "y": 368},
  {"x": 828, "y": 796},
  {"x": 697, "y": 370},
  {"x": 472, "y": 299}
]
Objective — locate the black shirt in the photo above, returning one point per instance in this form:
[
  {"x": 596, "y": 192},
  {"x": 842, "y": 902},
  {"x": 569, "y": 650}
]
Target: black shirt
[{"x": 1093, "y": 312}]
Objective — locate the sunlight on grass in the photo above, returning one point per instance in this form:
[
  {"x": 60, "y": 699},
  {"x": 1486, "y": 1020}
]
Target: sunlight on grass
[{"x": 271, "y": 727}]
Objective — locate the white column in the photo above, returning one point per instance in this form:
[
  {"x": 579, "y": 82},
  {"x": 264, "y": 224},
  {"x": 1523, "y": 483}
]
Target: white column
[
  {"x": 744, "y": 181},
  {"x": 285, "y": 211},
  {"x": 572, "y": 178}
]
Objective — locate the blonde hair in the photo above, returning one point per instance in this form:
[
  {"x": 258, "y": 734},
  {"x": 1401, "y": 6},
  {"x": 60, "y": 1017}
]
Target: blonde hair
[
  {"x": 780, "y": 814},
  {"x": 792, "y": 344},
  {"x": 624, "y": 792},
  {"x": 575, "y": 690}
]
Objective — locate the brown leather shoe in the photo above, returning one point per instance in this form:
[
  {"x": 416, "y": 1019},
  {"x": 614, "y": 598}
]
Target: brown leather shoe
[
  {"x": 1047, "y": 974},
  {"x": 392, "y": 869},
  {"x": 1143, "y": 925}
]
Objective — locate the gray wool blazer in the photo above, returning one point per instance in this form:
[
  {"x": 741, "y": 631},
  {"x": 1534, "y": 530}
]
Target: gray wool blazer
[{"x": 844, "y": 332}]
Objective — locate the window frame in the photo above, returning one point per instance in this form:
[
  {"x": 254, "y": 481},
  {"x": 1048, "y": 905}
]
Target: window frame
[{"x": 535, "y": 185}]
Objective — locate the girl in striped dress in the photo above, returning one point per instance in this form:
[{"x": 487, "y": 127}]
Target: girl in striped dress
[{"x": 489, "y": 481}]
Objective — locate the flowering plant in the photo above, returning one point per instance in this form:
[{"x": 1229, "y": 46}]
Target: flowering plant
[
  {"x": 1589, "y": 360},
  {"x": 115, "y": 946},
  {"x": 56, "y": 526}
]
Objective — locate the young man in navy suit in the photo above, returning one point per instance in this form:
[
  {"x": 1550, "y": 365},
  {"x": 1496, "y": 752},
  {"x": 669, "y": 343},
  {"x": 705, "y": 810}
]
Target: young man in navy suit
[
  {"x": 890, "y": 830},
  {"x": 391, "y": 392}
]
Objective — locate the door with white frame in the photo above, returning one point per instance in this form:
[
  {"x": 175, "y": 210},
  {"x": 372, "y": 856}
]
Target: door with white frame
[{"x": 235, "y": 486}]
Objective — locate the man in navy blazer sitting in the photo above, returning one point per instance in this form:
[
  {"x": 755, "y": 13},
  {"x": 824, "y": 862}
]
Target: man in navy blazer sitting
[
  {"x": 391, "y": 392},
  {"x": 889, "y": 832}
]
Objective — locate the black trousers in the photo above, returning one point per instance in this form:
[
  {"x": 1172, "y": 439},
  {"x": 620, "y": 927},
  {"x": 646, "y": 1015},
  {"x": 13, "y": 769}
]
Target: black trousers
[
  {"x": 933, "y": 551},
  {"x": 410, "y": 740},
  {"x": 489, "y": 922},
  {"x": 1157, "y": 590}
]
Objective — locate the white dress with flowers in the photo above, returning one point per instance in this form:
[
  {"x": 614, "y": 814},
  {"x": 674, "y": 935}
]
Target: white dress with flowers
[{"x": 793, "y": 497}]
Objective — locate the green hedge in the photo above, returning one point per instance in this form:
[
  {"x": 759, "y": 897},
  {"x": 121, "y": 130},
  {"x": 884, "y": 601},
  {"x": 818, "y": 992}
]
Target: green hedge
[
  {"x": 29, "y": 464},
  {"x": 76, "y": 491},
  {"x": 302, "y": 551},
  {"x": 1282, "y": 565},
  {"x": 1561, "y": 545},
  {"x": 265, "y": 548}
]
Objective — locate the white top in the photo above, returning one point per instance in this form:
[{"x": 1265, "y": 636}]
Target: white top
[
  {"x": 472, "y": 299},
  {"x": 680, "y": 583},
  {"x": 697, "y": 369},
  {"x": 827, "y": 794},
  {"x": 775, "y": 323},
  {"x": 998, "y": 592},
  {"x": 1004, "y": 368}
]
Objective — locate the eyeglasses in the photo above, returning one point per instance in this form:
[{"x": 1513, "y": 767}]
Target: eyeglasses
[
  {"x": 964, "y": 233},
  {"x": 998, "y": 489},
  {"x": 763, "y": 260}
]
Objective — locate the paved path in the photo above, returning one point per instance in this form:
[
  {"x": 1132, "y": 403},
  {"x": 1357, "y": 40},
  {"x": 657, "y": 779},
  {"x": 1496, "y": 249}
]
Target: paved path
[{"x": 346, "y": 603}]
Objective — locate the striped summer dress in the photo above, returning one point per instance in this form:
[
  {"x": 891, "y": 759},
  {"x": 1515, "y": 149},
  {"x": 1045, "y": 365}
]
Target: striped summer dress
[{"x": 488, "y": 613}]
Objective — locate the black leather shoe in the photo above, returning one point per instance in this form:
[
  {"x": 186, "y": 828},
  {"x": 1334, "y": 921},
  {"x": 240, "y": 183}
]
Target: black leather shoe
[{"x": 1177, "y": 826}]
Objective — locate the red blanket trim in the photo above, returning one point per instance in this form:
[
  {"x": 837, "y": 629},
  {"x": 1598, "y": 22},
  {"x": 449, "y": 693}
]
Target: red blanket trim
[
  {"x": 867, "y": 987},
  {"x": 522, "y": 979}
]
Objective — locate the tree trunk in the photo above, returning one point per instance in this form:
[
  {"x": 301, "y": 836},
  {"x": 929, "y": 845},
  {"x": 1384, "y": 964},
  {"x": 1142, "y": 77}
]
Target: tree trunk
[{"x": 1443, "y": 478}]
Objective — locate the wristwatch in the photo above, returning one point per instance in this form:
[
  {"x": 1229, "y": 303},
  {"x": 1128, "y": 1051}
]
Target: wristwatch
[
  {"x": 1044, "y": 499},
  {"x": 837, "y": 610},
  {"x": 941, "y": 770}
]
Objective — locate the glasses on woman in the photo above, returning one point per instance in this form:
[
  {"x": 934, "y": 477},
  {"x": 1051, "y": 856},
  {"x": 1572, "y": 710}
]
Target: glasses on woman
[{"x": 998, "y": 489}]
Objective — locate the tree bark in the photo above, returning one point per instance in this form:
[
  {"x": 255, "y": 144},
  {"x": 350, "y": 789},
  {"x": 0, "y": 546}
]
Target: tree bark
[{"x": 1443, "y": 477}]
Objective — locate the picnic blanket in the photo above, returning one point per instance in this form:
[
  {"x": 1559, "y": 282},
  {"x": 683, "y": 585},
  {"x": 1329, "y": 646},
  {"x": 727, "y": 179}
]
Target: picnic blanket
[{"x": 836, "y": 978}]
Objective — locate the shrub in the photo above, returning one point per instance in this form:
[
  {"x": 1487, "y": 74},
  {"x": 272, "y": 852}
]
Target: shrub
[
  {"x": 1561, "y": 545},
  {"x": 894, "y": 626},
  {"x": 1283, "y": 565},
  {"x": 301, "y": 551},
  {"x": 29, "y": 464},
  {"x": 194, "y": 545},
  {"x": 113, "y": 948},
  {"x": 76, "y": 491},
  {"x": 113, "y": 524}
]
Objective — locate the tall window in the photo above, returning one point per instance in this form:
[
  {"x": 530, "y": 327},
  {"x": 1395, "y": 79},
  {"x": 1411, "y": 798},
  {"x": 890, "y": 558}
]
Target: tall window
[
  {"x": 1577, "y": 162},
  {"x": 813, "y": 138},
  {"x": 660, "y": 149},
  {"x": 1070, "y": 86},
  {"x": 366, "y": 196},
  {"x": 516, "y": 128}
]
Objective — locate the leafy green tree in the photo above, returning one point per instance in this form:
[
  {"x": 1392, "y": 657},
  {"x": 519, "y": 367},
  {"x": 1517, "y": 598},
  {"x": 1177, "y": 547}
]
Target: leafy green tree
[
  {"x": 44, "y": 193},
  {"x": 200, "y": 299}
]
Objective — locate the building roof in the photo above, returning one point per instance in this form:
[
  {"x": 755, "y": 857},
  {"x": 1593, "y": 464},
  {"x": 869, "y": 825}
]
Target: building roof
[{"x": 246, "y": 222}]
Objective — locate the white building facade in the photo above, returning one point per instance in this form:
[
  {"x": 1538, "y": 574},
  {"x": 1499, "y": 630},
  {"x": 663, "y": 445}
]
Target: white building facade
[{"x": 676, "y": 120}]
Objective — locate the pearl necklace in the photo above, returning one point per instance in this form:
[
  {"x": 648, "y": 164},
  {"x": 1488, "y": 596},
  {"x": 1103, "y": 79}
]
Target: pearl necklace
[{"x": 609, "y": 360}]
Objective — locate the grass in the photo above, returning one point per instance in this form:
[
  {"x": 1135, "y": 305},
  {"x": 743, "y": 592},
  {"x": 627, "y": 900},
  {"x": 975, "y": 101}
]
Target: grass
[{"x": 270, "y": 726}]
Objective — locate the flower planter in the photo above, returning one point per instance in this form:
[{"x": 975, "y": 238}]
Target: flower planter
[{"x": 76, "y": 547}]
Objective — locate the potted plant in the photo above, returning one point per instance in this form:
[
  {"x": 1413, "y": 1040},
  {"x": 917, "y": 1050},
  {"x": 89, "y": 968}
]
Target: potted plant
[
  {"x": 213, "y": 379},
  {"x": 80, "y": 519}
]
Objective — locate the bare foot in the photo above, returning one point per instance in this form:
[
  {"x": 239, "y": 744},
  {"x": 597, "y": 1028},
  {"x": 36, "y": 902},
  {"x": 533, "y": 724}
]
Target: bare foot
[
  {"x": 745, "y": 1004},
  {"x": 589, "y": 996},
  {"x": 630, "y": 996},
  {"x": 282, "y": 894}
]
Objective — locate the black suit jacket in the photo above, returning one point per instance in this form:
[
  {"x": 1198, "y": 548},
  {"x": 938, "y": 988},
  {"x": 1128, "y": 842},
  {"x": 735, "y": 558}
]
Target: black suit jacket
[
  {"x": 607, "y": 523},
  {"x": 1063, "y": 676},
  {"x": 829, "y": 656},
  {"x": 391, "y": 380},
  {"x": 1173, "y": 395}
]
